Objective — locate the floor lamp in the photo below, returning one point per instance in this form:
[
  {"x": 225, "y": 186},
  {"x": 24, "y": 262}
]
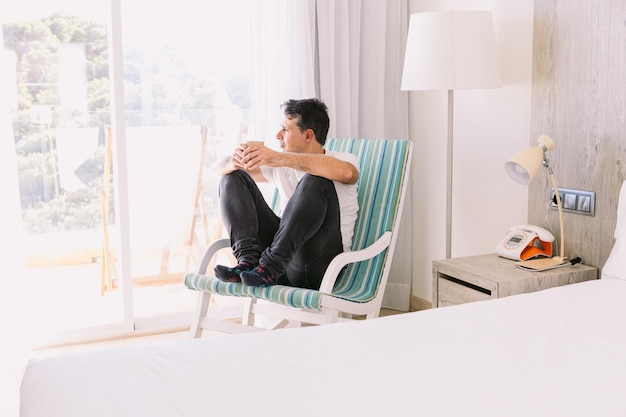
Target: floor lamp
[{"x": 450, "y": 50}]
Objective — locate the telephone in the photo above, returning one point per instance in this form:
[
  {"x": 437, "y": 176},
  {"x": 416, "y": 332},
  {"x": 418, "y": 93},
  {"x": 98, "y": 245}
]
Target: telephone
[{"x": 524, "y": 242}]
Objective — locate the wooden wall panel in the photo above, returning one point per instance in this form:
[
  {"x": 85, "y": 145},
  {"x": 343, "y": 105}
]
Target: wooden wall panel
[{"x": 579, "y": 99}]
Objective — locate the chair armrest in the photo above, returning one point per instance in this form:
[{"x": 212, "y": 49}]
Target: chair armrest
[
  {"x": 209, "y": 252},
  {"x": 345, "y": 258}
]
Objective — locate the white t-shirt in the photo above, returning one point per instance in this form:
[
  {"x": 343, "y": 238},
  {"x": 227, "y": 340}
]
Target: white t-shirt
[{"x": 286, "y": 179}]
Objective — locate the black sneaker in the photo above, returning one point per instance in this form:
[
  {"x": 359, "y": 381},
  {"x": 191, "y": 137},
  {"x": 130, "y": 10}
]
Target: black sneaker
[
  {"x": 231, "y": 274},
  {"x": 258, "y": 277}
]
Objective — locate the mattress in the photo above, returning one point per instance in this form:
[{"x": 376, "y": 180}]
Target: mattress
[{"x": 557, "y": 352}]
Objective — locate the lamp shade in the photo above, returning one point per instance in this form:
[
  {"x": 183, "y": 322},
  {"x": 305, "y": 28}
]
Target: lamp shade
[
  {"x": 449, "y": 50},
  {"x": 524, "y": 165}
]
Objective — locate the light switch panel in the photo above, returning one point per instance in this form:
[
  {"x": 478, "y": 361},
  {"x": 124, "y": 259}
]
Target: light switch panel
[{"x": 575, "y": 201}]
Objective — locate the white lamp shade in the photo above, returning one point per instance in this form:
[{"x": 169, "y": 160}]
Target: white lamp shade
[
  {"x": 524, "y": 165},
  {"x": 449, "y": 50}
]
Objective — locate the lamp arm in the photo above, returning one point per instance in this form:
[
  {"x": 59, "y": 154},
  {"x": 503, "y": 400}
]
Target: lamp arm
[{"x": 560, "y": 207}]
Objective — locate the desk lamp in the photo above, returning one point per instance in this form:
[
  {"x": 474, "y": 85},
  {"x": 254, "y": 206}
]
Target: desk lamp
[{"x": 523, "y": 167}]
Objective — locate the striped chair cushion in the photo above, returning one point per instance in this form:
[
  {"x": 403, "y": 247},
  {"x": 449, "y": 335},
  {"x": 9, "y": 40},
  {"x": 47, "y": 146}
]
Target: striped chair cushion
[
  {"x": 290, "y": 296},
  {"x": 381, "y": 175}
]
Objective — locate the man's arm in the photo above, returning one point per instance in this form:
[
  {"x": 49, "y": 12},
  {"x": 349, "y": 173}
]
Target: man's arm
[
  {"x": 321, "y": 165},
  {"x": 316, "y": 164}
]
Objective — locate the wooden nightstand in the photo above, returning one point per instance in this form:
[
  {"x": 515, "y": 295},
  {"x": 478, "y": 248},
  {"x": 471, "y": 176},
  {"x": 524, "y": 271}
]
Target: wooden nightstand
[{"x": 483, "y": 277}]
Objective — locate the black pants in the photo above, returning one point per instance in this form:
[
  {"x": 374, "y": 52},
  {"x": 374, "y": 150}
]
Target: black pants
[{"x": 298, "y": 247}]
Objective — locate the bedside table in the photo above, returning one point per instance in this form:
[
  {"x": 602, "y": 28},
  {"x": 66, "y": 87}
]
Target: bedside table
[{"x": 483, "y": 277}]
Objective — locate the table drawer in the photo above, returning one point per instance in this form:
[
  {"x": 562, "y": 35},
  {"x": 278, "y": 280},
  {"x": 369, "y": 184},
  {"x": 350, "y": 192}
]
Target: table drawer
[{"x": 452, "y": 291}]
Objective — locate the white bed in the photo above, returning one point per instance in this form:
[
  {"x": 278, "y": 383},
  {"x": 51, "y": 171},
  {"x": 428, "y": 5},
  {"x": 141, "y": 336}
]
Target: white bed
[{"x": 558, "y": 352}]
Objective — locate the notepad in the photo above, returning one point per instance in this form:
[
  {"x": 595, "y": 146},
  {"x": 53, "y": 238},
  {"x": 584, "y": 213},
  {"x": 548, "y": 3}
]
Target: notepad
[{"x": 543, "y": 264}]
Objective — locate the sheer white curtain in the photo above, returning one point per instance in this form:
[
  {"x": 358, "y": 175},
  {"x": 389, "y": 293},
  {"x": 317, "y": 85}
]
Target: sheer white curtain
[
  {"x": 13, "y": 278},
  {"x": 11, "y": 254},
  {"x": 361, "y": 52},
  {"x": 283, "y": 56},
  {"x": 349, "y": 54}
]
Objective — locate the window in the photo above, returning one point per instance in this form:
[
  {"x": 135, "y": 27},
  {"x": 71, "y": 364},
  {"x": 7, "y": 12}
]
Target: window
[{"x": 184, "y": 68}]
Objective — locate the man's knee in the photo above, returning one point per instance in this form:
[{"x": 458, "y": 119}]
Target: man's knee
[
  {"x": 237, "y": 175},
  {"x": 236, "y": 178},
  {"x": 316, "y": 183}
]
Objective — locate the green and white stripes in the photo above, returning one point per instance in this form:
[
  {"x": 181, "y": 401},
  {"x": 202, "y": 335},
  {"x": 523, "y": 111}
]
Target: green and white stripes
[
  {"x": 380, "y": 179},
  {"x": 291, "y": 296}
]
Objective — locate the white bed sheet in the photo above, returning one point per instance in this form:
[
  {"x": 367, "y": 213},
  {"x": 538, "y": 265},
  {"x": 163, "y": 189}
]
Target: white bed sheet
[{"x": 558, "y": 352}]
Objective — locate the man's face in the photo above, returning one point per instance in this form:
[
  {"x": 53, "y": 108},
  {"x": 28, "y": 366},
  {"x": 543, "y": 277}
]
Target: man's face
[{"x": 290, "y": 137}]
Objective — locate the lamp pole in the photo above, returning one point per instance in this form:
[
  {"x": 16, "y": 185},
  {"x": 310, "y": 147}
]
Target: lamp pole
[{"x": 449, "y": 162}]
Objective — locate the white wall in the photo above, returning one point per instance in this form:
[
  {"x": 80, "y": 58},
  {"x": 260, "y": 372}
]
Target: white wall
[{"x": 489, "y": 127}]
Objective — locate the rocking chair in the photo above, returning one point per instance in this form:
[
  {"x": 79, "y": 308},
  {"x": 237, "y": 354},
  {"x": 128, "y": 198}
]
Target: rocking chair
[{"x": 354, "y": 281}]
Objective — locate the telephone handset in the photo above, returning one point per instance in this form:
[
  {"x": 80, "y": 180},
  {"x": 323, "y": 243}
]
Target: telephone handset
[{"x": 524, "y": 242}]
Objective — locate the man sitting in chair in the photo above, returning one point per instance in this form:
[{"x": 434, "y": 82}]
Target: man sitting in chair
[{"x": 318, "y": 195}]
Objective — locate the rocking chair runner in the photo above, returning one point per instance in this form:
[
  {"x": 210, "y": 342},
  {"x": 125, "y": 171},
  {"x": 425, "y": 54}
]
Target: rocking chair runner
[{"x": 354, "y": 282}]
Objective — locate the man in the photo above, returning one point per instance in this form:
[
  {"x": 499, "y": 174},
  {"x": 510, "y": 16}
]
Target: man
[{"x": 318, "y": 195}]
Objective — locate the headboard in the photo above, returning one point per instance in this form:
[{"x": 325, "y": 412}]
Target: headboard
[{"x": 579, "y": 58}]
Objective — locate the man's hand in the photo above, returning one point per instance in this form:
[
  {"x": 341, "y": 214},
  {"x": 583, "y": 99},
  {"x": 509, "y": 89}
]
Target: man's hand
[
  {"x": 253, "y": 157},
  {"x": 244, "y": 158}
]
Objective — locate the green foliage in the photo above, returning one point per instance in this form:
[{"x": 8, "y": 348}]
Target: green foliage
[
  {"x": 163, "y": 86},
  {"x": 68, "y": 211},
  {"x": 36, "y": 46},
  {"x": 32, "y": 178},
  {"x": 67, "y": 29}
]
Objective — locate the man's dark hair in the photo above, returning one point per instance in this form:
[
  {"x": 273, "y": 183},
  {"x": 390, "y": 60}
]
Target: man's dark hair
[{"x": 310, "y": 113}]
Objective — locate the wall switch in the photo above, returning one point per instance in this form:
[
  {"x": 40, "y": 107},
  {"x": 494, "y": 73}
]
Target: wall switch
[{"x": 575, "y": 201}]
